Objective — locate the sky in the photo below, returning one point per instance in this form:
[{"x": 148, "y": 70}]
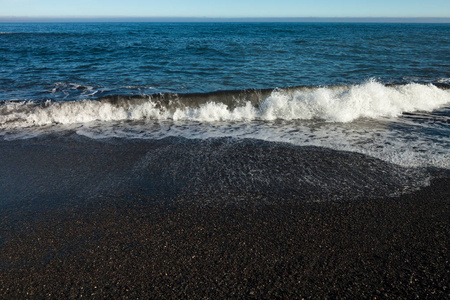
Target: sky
[{"x": 225, "y": 9}]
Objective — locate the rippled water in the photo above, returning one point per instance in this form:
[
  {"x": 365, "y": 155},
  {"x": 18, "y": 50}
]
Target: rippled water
[{"x": 77, "y": 61}]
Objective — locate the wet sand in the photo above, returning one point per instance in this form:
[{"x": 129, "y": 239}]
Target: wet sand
[
  {"x": 136, "y": 246},
  {"x": 80, "y": 218}
]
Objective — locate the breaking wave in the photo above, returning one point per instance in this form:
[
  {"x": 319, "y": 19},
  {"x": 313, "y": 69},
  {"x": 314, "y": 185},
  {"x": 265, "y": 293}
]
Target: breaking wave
[{"x": 342, "y": 104}]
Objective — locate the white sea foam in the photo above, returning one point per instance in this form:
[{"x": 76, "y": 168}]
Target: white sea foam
[
  {"x": 362, "y": 118},
  {"x": 380, "y": 139},
  {"x": 443, "y": 80},
  {"x": 370, "y": 100},
  {"x": 338, "y": 104}
]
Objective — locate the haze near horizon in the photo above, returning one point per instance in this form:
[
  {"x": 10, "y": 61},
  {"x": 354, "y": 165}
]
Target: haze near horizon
[{"x": 229, "y": 9}]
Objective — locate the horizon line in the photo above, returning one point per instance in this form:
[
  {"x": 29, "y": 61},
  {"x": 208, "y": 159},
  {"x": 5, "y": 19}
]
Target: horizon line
[{"x": 105, "y": 19}]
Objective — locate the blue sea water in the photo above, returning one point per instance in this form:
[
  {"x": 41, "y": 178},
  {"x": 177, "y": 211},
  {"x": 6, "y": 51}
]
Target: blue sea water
[
  {"x": 54, "y": 61},
  {"x": 377, "y": 89}
]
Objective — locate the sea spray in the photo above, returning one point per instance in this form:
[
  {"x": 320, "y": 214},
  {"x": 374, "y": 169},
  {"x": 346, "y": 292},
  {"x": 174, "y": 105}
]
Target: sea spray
[
  {"x": 331, "y": 104},
  {"x": 402, "y": 124}
]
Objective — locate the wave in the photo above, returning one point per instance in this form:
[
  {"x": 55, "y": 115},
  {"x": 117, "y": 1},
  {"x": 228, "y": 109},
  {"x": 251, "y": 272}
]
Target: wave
[{"x": 330, "y": 104}]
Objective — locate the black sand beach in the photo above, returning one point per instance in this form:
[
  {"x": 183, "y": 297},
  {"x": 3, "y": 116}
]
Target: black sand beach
[{"x": 104, "y": 219}]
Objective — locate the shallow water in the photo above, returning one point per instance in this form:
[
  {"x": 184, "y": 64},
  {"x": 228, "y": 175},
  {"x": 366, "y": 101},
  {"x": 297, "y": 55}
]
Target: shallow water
[
  {"x": 402, "y": 124},
  {"x": 54, "y": 170}
]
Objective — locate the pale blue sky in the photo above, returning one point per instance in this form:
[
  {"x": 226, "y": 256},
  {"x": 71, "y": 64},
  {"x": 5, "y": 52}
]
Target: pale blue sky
[{"x": 229, "y": 8}]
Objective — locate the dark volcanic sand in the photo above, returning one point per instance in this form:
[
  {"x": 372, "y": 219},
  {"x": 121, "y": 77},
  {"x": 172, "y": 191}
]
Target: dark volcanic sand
[
  {"x": 134, "y": 244},
  {"x": 396, "y": 248}
]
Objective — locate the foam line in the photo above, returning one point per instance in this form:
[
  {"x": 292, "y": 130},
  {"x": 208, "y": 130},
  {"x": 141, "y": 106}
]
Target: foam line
[{"x": 343, "y": 104}]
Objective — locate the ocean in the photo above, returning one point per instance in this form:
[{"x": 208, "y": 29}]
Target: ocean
[{"x": 317, "y": 111}]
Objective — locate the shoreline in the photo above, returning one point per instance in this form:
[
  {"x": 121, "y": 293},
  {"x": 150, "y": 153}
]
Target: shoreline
[
  {"x": 142, "y": 247},
  {"x": 216, "y": 219},
  {"x": 162, "y": 161}
]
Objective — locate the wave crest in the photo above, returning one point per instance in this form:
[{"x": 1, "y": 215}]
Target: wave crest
[{"x": 331, "y": 104}]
